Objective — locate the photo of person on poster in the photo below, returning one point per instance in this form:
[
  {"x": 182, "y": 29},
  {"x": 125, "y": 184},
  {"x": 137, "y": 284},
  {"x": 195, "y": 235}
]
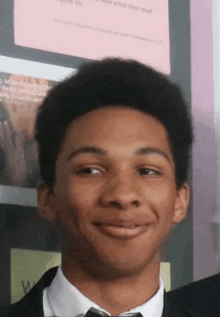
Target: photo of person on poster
[{"x": 20, "y": 97}]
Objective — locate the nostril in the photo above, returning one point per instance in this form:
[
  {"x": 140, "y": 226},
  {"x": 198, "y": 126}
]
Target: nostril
[
  {"x": 98, "y": 224},
  {"x": 114, "y": 203},
  {"x": 136, "y": 203}
]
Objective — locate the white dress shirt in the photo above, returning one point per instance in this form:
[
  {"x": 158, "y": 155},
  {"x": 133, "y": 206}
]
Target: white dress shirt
[{"x": 63, "y": 299}]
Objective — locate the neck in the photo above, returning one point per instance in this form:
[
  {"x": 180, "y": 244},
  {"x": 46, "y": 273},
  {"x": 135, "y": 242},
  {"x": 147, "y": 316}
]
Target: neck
[{"x": 115, "y": 295}]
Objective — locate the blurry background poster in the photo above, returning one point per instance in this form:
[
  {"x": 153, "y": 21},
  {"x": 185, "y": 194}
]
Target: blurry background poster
[
  {"x": 94, "y": 29},
  {"x": 27, "y": 267},
  {"x": 165, "y": 274},
  {"x": 23, "y": 86},
  {"x": 20, "y": 95}
]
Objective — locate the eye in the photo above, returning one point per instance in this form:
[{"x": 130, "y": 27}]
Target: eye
[
  {"x": 88, "y": 171},
  {"x": 148, "y": 171}
]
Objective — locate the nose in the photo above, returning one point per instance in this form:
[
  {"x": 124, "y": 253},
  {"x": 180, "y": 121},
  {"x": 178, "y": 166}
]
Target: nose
[{"x": 121, "y": 192}]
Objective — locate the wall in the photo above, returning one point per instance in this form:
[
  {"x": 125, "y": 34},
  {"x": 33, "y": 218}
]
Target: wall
[{"x": 204, "y": 158}]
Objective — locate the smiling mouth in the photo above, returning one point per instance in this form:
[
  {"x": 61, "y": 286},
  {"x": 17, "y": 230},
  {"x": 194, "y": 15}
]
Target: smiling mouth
[{"x": 121, "y": 231}]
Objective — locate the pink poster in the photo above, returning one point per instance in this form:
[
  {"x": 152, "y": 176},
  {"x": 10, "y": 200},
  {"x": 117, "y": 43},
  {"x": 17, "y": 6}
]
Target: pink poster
[{"x": 95, "y": 29}]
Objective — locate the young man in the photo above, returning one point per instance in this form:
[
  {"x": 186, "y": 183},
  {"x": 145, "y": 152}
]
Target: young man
[{"x": 114, "y": 144}]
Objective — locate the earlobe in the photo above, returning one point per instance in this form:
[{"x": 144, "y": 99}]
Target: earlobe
[
  {"x": 44, "y": 200},
  {"x": 181, "y": 204}
]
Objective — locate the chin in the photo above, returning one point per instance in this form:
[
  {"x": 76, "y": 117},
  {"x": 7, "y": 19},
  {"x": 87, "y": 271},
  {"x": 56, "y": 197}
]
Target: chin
[
  {"x": 103, "y": 268},
  {"x": 110, "y": 269},
  {"x": 105, "y": 272},
  {"x": 108, "y": 264}
]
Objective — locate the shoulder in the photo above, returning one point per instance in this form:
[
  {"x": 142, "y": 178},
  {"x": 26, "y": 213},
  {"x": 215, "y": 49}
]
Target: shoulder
[
  {"x": 201, "y": 287},
  {"x": 32, "y": 303},
  {"x": 202, "y": 295}
]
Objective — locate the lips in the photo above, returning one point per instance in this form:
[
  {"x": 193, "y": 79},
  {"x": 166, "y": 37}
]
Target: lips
[{"x": 122, "y": 231}]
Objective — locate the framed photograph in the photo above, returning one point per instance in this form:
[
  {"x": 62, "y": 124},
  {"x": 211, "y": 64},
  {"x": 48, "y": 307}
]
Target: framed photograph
[{"x": 23, "y": 85}]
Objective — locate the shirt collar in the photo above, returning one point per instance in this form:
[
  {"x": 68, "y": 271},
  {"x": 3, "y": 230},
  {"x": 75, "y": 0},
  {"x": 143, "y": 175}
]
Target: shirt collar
[{"x": 64, "y": 299}]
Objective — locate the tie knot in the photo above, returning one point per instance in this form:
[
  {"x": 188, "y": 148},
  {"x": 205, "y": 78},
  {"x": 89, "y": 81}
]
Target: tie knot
[{"x": 93, "y": 312}]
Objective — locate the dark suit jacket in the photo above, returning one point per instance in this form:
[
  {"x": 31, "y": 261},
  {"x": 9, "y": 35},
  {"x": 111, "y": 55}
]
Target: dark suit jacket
[
  {"x": 32, "y": 304},
  {"x": 203, "y": 296}
]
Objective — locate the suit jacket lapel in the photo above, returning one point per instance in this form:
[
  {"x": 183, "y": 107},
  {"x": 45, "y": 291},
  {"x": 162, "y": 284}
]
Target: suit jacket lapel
[{"x": 173, "y": 308}]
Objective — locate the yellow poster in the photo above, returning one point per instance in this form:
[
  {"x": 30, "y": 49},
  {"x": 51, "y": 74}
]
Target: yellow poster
[
  {"x": 165, "y": 273},
  {"x": 27, "y": 267}
]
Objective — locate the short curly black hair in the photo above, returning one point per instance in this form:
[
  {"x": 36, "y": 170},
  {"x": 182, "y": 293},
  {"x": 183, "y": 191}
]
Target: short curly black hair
[{"x": 115, "y": 82}]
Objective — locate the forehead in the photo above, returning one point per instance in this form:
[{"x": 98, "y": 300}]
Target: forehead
[{"x": 113, "y": 128}]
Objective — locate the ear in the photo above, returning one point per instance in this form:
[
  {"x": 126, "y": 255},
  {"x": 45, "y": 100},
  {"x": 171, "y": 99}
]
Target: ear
[
  {"x": 181, "y": 203},
  {"x": 45, "y": 206}
]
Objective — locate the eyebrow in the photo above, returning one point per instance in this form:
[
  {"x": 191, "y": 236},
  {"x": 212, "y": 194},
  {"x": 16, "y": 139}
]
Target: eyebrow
[
  {"x": 88, "y": 149},
  {"x": 99, "y": 151},
  {"x": 152, "y": 150}
]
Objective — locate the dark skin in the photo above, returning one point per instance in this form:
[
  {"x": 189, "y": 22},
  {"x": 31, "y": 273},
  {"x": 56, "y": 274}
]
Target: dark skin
[{"x": 115, "y": 195}]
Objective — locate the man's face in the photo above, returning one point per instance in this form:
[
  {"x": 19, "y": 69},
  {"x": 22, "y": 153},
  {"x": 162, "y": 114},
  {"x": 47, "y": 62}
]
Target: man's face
[{"x": 115, "y": 192}]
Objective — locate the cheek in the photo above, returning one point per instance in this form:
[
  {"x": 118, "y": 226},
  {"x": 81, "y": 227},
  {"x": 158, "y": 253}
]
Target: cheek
[
  {"x": 83, "y": 194},
  {"x": 75, "y": 203},
  {"x": 161, "y": 197}
]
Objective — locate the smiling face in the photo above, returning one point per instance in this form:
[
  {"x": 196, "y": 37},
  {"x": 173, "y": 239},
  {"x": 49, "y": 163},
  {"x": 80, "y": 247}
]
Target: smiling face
[{"x": 115, "y": 192}]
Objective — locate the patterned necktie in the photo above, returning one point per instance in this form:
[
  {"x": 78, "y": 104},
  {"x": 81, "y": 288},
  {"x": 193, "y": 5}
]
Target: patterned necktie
[{"x": 93, "y": 312}]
